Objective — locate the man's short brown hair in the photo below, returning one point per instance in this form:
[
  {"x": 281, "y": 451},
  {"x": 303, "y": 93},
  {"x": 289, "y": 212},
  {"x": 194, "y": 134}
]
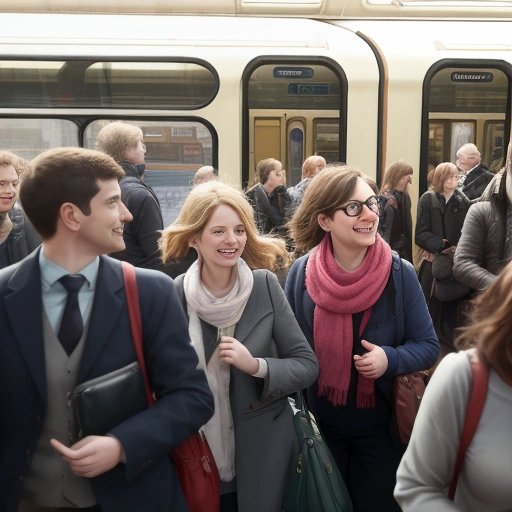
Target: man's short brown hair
[
  {"x": 63, "y": 175},
  {"x": 116, "y": 138}
]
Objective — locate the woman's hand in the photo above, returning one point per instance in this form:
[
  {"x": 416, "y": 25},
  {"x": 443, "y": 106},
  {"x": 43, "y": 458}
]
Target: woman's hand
[
  {"x": 236, "y": 354},
  {"x": 374, "y": 363},
  {"x": 428, "y": 256}
]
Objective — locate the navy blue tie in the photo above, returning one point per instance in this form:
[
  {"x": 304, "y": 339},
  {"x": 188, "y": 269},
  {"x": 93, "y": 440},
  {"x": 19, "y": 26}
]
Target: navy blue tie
[{"x": 71, "y": 325}]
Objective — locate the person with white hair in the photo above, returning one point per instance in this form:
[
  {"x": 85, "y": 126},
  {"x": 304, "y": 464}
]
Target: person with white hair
[
  {"x": 485, "y": 244},
  {"x": 204, "y": 174},
  {"x": 310, "y": 168},
  {"x": 474, "y": 176}
]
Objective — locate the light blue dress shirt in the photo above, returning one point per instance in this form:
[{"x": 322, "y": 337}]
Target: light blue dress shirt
[{"x": 55, "y": 295}]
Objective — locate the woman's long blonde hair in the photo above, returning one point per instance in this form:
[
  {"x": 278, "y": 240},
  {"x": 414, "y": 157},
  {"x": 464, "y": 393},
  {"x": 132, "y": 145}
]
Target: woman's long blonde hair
[{"x": 260, "y": 251}]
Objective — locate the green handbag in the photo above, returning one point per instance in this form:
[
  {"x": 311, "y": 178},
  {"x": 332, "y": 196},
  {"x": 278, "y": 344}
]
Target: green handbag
[{"x": 315, "y": 484}]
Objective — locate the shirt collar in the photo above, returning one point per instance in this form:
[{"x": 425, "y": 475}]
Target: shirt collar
[{"x": 51, "y": 272}]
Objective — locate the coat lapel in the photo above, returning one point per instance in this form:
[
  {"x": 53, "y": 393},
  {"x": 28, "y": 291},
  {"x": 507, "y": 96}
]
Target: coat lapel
[
  {"x": 106, "y": 309},
  {"x": 258, "y": 306},
  {"x": 24, "y": 314}
]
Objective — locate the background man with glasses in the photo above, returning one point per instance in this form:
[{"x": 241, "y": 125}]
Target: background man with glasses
[{"x": 123, "y": 142}]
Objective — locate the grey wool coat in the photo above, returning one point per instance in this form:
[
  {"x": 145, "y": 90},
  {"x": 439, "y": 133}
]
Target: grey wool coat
[{"x": 266, "y": 447}]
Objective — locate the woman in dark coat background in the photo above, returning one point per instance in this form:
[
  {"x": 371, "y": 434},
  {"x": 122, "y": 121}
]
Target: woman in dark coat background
[
  {"x": 395, "y": 224},
  {"x": 441, "y": 214}
]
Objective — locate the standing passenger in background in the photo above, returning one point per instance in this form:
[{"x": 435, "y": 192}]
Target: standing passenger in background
[
  {"x": 18, "y": 238},
  {"x": 123, "y": 142},
  {"x": 441, "y": 214},
  {"x": 362, "y": 309},
  {"x": 247, "y": 340},
  {"x": 485, "y": 245},
  {"x": 396, "y": 220},
  {"x": 269, "y": 198},
  {"x": 474, "y": 176},
  {"x": 310, "y": 168},
  {"x": 204, "y": 174}
]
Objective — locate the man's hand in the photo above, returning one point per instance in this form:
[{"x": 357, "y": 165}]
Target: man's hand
[{"x": 92, "y": 455}]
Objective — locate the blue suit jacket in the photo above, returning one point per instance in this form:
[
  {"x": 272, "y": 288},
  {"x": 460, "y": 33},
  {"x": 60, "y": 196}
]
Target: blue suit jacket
[{"x": 148, "y": 481}]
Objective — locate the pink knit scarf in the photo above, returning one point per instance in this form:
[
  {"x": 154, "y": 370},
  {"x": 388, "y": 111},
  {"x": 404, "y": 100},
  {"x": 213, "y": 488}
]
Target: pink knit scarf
[{"x": 337, "y": 295}]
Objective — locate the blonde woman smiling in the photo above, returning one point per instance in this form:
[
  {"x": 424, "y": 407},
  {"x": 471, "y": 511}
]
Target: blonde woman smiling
[{"x": 247, "y": 341}]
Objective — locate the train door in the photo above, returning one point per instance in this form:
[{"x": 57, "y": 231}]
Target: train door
[
  {"x": 294, "y": 111},
  {"x": 467, "y": 101}
]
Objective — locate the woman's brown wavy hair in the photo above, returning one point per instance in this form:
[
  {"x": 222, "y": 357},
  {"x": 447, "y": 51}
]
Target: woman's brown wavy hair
[{"x": 490, "y": 327}]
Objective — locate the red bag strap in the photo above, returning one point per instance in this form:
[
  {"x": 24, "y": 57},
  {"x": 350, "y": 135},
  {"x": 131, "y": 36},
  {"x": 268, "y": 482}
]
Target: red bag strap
[
  {"x": 132, "y": 301},
  {"x": 480, "y": 374}
]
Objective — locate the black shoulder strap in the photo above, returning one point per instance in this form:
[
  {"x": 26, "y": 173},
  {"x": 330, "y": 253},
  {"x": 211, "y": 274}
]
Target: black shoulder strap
[{"x": 399, "y": 290}]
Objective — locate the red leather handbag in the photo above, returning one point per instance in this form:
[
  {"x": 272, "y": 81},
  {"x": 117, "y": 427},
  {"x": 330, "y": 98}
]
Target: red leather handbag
[
  {"x": 407, "y": 394},
  {"x": 197, "y": 471}
]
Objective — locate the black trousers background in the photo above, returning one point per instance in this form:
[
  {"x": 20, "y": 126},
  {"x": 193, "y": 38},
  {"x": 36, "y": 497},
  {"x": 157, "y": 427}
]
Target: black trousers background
[
  {"x": 228, "y": 502},
  {"x": 368, "y": 462}
]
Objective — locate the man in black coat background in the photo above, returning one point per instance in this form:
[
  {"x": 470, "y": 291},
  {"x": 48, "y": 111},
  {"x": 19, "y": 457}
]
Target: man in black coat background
[
  {"x": 124, "y": 143},
  {"x": 474, "y": 176}
]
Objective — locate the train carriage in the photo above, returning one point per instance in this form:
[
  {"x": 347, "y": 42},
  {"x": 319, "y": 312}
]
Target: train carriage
[{"x": 356, "y": 81}]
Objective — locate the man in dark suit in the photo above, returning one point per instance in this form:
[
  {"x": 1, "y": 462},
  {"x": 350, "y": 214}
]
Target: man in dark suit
[
  {"x": 474, "y": 176},
  {"x": 72, "y": 196}
]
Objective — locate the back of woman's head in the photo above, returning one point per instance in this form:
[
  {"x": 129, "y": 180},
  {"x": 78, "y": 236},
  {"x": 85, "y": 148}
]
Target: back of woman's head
[
  {"x": 327, "y": 191},
  {"x": 195, "y": 214},
  {"x": 394, "y": 173},
  {"x": 491, "y": 324},
  {"x": 441, "y": 173}
]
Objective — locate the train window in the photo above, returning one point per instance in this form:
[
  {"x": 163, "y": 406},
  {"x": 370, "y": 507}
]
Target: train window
[
  {"x": 281, "y": 94},
  {"x": 466, "y": 102},
  {"x": 312, "y": 87},
  {"x": 436, "y": 142},
  {"x": 29, "y": 137},
  {"x": 174, "y": 151},
  {"x": 109, "y": 84},
  {"x": 326, "y": 134},
  {"x": 462, "y": 132},
  {"x": 494, "y": 144},
  {"x": 295, "y": 150}
]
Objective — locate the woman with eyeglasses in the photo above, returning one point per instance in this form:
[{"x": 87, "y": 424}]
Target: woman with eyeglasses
[{"x": 363, "y": 311}]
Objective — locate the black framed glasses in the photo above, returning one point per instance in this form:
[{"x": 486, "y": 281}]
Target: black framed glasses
[{"x": 354, "y": 207}]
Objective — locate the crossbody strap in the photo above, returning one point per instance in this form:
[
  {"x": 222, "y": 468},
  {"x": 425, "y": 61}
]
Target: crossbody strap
[
  {"x": 480, "y": 377},
  {"x": 132, "y": 301}
]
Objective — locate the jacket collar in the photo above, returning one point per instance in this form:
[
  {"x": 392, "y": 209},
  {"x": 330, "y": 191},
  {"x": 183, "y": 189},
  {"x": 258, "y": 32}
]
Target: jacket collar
[{"x": 24, "y": 297}]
